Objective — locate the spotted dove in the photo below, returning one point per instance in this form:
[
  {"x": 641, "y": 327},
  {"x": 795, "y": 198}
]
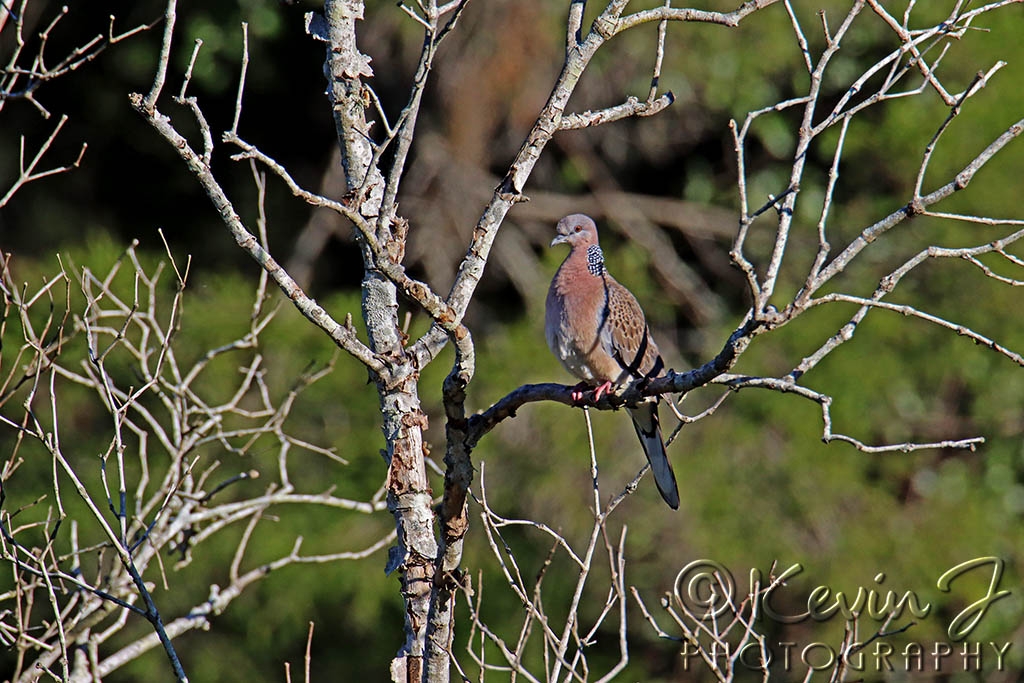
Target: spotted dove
[{"x": 596, "y": 328}]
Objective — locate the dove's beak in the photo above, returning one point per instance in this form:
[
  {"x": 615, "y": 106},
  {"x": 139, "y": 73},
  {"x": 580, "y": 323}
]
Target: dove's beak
[{"x": 560, "y": 239}]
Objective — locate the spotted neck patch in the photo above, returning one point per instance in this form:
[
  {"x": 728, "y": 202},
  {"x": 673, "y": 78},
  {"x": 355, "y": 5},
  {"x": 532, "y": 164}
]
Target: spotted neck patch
[{"x": 595, "y": 260}]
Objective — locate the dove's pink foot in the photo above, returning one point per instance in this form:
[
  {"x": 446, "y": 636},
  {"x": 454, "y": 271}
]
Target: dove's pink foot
[
  {"x": 579, "y": 392},
  {"x": 602, "y": 390}
]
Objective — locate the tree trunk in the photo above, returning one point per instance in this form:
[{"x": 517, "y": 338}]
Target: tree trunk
[{"x": 403, "y": 422}]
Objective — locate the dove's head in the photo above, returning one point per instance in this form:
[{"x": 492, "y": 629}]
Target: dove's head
[{"x": 577, "y": 230}]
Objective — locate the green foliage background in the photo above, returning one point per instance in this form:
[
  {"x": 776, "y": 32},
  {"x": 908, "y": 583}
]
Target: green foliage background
[{"x": 759, "y": 487}]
